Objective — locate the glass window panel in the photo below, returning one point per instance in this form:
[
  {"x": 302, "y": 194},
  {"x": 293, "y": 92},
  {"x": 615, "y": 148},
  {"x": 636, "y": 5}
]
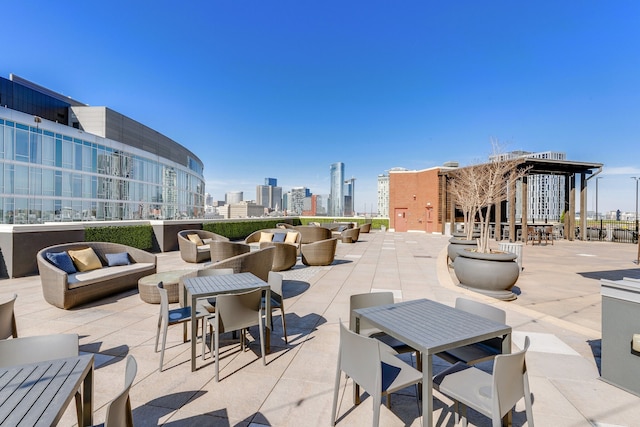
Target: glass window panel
[
  {"x": 48, "y": 151},
  {"x": 35, "y": 152},
  {"x": 58, "y": 153},
  {"x": 22, "y": 145},
  {"x": 67, "y": 154},
  {"x": 78, "y": 156},
  {"x": 48, "y": 183},
  {"x": 67, "y": 179},
  {"x": 35, "y": 184},
  {"x": 77, "y": 185},
  {"x": 8, "y": 142}
]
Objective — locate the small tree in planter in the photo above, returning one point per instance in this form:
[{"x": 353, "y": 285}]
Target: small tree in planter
[{"x": 478, "y": 189}]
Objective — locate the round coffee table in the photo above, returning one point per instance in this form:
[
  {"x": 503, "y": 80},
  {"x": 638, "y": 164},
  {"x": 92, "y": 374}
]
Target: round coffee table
[{"x": 147, "y": 286}]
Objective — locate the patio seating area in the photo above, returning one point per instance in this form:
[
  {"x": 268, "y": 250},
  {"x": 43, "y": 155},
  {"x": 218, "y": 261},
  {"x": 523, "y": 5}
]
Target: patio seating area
[{"x": 558, "y": 308}]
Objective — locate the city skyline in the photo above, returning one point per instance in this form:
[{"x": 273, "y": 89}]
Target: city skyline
[{"x": 370, "y": 84}]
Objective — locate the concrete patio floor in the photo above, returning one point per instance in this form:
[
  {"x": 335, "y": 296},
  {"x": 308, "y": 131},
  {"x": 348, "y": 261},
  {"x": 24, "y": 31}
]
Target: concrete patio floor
[{"x": 558, "y": 306}]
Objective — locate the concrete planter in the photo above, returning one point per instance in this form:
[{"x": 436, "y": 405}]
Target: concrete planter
[
  {"x": 492, "y": 274},
  {"x": 458, "y": 243}
]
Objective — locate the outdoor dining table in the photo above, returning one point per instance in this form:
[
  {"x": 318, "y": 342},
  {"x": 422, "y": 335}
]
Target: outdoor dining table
[
  {"x": 431, "y": 327},
  {"x": 37, "y": 394},
  {"x": 208, "y": 286}
]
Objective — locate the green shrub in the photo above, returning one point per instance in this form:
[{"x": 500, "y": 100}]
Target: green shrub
[
  {"x": 137, "y": 236},
  {"x": 375, "y": 222}
]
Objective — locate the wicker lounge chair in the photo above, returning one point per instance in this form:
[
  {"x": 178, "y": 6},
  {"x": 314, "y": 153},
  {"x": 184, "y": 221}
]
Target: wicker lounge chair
[
  {"x": 220, "y": 250},
  {"x": 192, "y": 252},
  {"x": 257, "y": 262},
  {"x": 284, "y": 257},
  {"x": 350, "y": 234},
  {"x": 365, "y": 228},
  {"x": 319, "y": 253},
  {"x": 312, "y": 233}
]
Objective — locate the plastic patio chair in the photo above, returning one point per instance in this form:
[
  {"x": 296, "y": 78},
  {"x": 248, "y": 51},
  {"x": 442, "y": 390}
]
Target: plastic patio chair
[
  {"x": 473, "y": 354},
  {"x": 8, "y": 319},
  {"x": 172, "y": 317},
  {"x": 371, "y": 300},
  {"x": 21, "y": 351},
  {"x": 491, "y": 395},
  {"x": 374, "y": 366},
  {"x": 277, "y": 300},
  {"x": 119, "y": 410},
  {"x": 237, "y": 312}
]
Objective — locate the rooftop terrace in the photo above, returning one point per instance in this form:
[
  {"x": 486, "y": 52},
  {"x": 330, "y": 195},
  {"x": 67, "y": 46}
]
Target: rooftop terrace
[{"x": 559, "y": 307}]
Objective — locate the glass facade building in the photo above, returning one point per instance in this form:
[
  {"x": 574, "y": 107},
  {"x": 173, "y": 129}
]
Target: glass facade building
[
  {"x": 336, "y": 194},
  {"x": 52, "y": 168}
]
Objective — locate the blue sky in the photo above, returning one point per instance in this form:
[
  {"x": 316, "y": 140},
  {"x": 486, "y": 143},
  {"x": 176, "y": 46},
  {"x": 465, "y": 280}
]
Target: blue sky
[{"x": 283, "y": 89}]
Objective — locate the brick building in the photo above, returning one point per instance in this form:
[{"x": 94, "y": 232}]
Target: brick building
[{"x": 415, "y": 200}]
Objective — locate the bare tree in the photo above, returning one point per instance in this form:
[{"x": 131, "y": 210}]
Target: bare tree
[{"x": 478, "y": 187}]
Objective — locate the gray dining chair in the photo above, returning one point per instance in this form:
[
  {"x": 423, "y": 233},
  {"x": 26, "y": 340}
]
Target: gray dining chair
[
  {"x": 277, "y": 300},
  {"x": 38, "y": 348},
  {"x": 119, "y": 409},
  {"x": 372, "y": 365},
  {"x": 491, "y": 395},
  {"x": 237, "y": 312},
  {"x": 8, "y": 326},
  {"x": 172, "y": 317},
  {"x": 373, "y": 299},
  {"x": 473, "y": 354}
]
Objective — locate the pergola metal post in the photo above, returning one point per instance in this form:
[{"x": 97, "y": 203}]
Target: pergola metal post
[
  {"x": 525, "y": 205},
  {"x": 583, "y": 206}
]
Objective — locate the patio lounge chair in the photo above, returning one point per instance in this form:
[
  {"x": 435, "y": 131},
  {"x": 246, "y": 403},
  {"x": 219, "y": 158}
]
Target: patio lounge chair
[
  {"x": 257, "y": 262},
  {"x": 8, "y": 319},
  {"x": 196, "y": 248},
  {"x": 322, "y": 252}
]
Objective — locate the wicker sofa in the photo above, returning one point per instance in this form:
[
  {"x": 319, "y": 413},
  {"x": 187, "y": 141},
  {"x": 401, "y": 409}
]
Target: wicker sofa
[
  {"x": 254, "y": 239},
  {"x": 69, "y": 290},
  {"x": 190, "y": 251}
]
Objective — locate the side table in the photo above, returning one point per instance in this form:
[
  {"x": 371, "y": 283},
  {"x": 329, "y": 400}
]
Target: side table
[{"x": 170, "y": 280}]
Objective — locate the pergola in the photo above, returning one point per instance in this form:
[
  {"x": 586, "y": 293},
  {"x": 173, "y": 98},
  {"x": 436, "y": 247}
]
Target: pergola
[{"x": 568, "y": 169}]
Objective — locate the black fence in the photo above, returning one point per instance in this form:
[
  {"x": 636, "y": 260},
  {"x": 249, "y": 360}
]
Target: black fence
[{"x": 613, "y": 231}]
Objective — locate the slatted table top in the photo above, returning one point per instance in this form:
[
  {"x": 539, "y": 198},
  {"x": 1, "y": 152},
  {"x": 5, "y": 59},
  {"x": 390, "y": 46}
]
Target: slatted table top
[
  {"x": 225, "y": 283},
  {"x": 38, "y": 394},
  {"x": 431, "y": 326}
]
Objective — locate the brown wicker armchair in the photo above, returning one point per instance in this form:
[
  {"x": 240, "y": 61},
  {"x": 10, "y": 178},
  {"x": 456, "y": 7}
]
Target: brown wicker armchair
[
  {"x": 221, "y": 250},
  {"x": 190, "y": 251},
  {"x": 284, "y": 257},
  {"x": 312, "y": 233},
  {"x": 365, "y": 228},
  {"x": 350, "y": 234},
  {"x": 319, "y": 253},
  {"x": 257, "y": 262}
]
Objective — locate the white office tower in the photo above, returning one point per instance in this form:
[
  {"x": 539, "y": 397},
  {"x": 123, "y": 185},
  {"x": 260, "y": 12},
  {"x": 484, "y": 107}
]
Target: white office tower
[
  {"x": 545, "y": 193},
  {"x": 383, "y": 195},
  {"x": 233, "y": 197}
]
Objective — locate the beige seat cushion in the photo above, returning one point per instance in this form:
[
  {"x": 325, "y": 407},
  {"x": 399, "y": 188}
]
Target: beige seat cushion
[
  {"x": 77, "y": 280},
  {"x": 85, "y": 259},
  {"x": 195, "y": 239}
]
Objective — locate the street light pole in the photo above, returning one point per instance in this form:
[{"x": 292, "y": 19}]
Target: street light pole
[
  {"x": 597, "y": 178},
  {"x": 636, "y": 178}
]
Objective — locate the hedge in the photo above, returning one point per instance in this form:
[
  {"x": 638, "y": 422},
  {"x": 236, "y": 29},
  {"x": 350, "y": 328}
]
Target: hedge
[{"x": 137, "y": 236}]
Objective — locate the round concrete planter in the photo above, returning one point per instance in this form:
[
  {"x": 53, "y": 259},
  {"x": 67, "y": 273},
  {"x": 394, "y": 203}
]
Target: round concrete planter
[
  {"x": 492, "y": 274},
  {"x": 456, "y": 244}
]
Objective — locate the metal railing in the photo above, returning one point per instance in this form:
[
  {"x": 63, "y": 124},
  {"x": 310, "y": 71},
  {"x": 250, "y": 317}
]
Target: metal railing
[{"x": 611, "y": 231}]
